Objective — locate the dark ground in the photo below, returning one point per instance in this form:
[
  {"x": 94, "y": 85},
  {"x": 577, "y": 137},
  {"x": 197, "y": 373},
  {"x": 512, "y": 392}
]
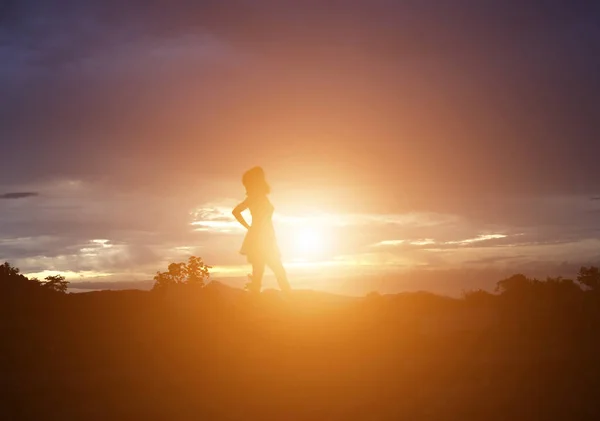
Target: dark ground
[{"x": 217, "y": 354}]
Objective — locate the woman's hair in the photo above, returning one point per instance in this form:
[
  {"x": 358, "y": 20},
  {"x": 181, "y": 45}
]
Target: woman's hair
[{"x": 255, "y": 183}]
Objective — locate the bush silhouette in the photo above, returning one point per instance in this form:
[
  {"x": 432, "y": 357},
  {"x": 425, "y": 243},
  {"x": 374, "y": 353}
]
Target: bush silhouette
[
  {"x": 194, "y": 273},
  {"x": 589, "y": 277}
]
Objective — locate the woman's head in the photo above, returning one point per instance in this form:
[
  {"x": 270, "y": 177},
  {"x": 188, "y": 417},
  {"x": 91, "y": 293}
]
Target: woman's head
[{"x": 255, "y": 182}]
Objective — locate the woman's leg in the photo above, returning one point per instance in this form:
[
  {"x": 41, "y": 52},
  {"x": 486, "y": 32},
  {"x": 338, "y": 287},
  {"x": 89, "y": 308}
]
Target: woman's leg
[
  {"x": 258, "y": 270},
  {"x": 280, "y": 274}
]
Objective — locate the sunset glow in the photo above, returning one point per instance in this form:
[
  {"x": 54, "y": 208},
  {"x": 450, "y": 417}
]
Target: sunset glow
[
  {"x": 305, "y": 239},
  {"x": 395, "y": 136},
  {"x": 309, "y": 241}
]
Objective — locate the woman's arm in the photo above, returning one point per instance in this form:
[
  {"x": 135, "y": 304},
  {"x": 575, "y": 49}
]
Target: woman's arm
[{"x": 237, "y": 213}]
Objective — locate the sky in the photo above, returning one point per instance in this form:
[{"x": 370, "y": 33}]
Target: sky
[{"x": 409, "y": 144}]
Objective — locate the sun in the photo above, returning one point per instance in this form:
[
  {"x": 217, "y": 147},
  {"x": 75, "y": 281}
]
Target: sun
[
  {"x": 305, "y": 239},
  {"x": 309, "y": 241}
]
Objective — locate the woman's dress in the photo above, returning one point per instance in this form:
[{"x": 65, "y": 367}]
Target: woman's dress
[{"x": 260, "y": 244}]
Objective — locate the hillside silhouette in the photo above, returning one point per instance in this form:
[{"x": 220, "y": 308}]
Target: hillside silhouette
[{"x": 203, "y": 350}]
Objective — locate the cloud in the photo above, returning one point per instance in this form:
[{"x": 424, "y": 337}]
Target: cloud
[
  {"x": 18, "y": 195},
  {"x": 479, "y": 238},
  {"x": 92, "y": 231},
  {"x": 88, "y": 227},
  {"x": 429, "y": 242}
]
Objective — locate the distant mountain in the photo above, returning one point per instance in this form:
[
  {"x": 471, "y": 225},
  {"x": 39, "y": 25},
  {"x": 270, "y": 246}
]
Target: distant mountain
[
  {"x": 146, "y": 285},
  {"x": 110, "y": 285}
]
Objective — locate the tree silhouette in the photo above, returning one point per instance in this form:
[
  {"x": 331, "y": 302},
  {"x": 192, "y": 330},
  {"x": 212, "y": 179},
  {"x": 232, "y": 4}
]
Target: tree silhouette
[
  {"x": 8, "y": 272},
  {"x": 560, "y": 284},
  {"x": 589, "y": 277},
  {"x": 477, "y": 297},
  {"x": 194, "y": 272},
  {"x": 56, "y": 283},
  {"x": 11, "y": 280},
  {"x": 514, "y": 283}
]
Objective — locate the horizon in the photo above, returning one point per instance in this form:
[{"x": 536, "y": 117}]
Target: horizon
[{"x": 408, "y": 146}]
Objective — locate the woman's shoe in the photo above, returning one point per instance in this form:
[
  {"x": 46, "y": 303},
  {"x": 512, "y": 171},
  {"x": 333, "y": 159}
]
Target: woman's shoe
[{"x": 251, "y": 286}]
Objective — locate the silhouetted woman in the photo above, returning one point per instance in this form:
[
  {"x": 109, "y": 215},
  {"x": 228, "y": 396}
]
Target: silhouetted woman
[{"x": 260, "y": 245}]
